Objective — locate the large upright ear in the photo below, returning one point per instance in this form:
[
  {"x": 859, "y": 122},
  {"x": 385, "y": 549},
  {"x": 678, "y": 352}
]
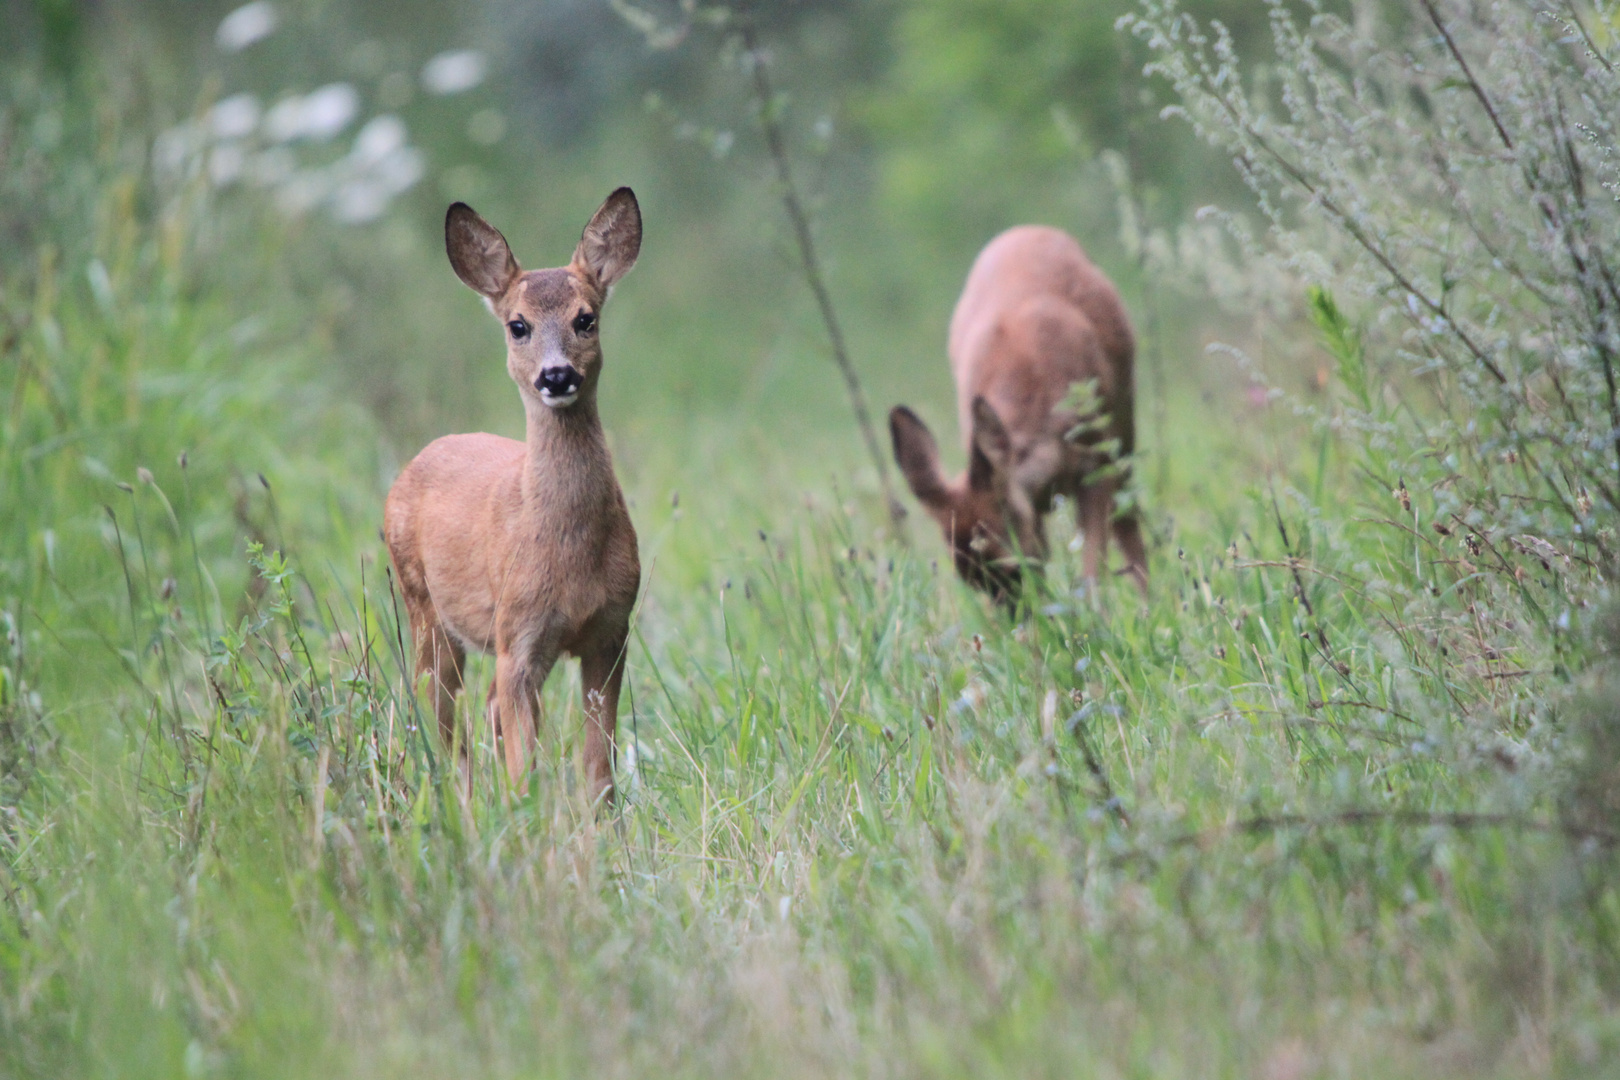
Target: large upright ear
[
  {"x": 478, "y": 252},
  {"x": 917, "y": 454},
  {"x": 612, "y": 240},
  {"x": 992, "y": 447}
]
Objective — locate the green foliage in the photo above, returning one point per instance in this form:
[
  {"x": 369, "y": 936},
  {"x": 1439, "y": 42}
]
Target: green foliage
[
  {"x": 1482, "y": 267},
  {"x": 989, "y": 109},
  {"x": 1342, "y": 343}
]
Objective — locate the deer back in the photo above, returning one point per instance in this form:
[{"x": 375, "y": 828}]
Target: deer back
[{"x": 1036, "y": 317}]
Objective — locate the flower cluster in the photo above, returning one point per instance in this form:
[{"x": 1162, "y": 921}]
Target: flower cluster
[{"x": 286, "y": 148}]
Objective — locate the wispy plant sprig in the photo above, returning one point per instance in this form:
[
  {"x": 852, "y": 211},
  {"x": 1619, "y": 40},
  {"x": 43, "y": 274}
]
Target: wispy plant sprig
[{"x": 741, "y": 38}]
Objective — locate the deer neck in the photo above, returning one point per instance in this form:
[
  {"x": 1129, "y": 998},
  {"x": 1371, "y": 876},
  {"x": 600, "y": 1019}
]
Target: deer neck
[{"x": 567, "y": 470}]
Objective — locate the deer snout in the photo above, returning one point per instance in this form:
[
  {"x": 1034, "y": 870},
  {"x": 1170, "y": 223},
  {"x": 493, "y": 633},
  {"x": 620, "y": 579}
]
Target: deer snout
[{"x": 559, "y": 384}]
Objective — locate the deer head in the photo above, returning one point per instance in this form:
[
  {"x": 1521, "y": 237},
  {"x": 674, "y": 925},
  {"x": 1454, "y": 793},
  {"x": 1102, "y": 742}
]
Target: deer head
[
  {"x": 552, "y": 317},
  {"x": 987, "y": 519}
]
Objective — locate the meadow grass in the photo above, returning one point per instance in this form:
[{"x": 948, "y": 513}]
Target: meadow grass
[
  {"x": 866, "y": 825},
  {"x": 1301, "y": 812}
]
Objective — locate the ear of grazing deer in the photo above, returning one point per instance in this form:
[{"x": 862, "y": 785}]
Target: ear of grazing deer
[
  {"x": 990, "y": 468},
  {"x": 989, "y": 463}
]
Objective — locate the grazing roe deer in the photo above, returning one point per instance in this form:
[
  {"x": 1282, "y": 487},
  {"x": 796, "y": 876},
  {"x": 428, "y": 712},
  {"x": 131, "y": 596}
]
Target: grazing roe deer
[
  {"x": 525, "y": 549},
  {"x": 1034, "y": 319}
]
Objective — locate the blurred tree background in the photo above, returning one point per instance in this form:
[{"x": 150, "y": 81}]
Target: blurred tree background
[{"x": 919, "y": 130}]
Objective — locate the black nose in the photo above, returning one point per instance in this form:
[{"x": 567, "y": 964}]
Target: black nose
[{"x": 559, "y": 381}]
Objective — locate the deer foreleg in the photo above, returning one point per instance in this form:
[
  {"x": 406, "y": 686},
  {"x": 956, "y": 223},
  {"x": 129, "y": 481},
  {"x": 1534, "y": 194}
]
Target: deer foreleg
[
  {"x": 519, "y": 675},
  {"x": 601, "y": 673}
]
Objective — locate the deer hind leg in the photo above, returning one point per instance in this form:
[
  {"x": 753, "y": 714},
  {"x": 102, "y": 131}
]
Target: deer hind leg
[
  {"x": 444, "y": 660},
  {"x": 1128, "y": 531},
  {"x": 1091, "y": 511},
  {"x": 492, "y": 713},
  {"x": 601, "y": 671}
]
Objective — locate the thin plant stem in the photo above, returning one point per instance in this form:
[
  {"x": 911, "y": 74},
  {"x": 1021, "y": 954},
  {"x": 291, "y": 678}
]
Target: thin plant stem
[
  {"x": 771, "y": 126},
  {"x": 1155, "y": 365}
]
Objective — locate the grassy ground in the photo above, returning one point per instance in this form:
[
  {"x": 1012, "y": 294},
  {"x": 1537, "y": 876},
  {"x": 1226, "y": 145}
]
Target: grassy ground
[{"x": 1296, "y": 815}]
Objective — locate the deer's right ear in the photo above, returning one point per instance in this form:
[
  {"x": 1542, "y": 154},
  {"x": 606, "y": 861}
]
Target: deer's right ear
[
  {"x": 478, "y": 252},
  {"x": 917, "y": 454}
]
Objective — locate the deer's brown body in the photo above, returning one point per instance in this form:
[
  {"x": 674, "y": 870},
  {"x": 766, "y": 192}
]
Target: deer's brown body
[
  {"x": 1035, "y": 318},
  {"x": 526, "y": 549}
]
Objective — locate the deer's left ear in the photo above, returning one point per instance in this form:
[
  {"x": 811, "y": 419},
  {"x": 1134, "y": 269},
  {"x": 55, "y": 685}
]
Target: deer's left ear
[
  {"x": 992, "y": 448},
  {"x": 612, "y": 239}
]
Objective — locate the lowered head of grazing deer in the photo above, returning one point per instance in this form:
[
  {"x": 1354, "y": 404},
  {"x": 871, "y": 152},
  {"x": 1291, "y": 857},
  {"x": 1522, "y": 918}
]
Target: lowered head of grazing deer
[
  {"x": 525, "y": 549},
  {"x": 1041, "y": 352}
]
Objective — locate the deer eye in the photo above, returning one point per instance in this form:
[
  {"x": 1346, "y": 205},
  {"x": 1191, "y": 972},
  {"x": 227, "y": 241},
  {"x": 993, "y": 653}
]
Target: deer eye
[
  {"x": 519, "y": 329},
  {"x": 584, "y": 322}
]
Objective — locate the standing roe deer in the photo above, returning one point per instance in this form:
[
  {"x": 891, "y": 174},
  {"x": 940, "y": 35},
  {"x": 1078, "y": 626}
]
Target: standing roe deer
[
  {"x": 525, "y": 549},
  {"x": 1035, "y": 318}
]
